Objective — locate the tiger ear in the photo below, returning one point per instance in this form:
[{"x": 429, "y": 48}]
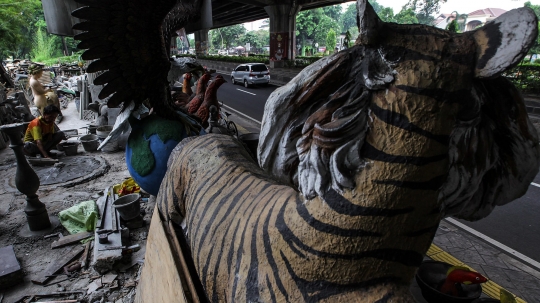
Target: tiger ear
[
  {"x": 502, "y": 43},
  {"x": 368, "y": 22}
]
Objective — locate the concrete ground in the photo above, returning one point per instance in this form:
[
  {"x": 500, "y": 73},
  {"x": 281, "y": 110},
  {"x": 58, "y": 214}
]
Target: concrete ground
[{"x": 35, "y": 253}]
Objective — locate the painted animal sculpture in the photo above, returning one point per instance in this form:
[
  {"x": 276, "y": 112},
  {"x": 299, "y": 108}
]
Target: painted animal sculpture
[{"x": 362, "y": 154}]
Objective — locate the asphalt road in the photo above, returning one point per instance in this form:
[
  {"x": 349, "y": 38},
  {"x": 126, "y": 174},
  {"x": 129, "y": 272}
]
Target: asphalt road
[
  {"x": 516, "y": 225},
  {"x": 249, "y": 101}
]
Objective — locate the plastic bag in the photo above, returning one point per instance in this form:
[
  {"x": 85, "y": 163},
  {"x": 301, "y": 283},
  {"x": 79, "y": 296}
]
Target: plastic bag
[{"x": 79, "y": 218}]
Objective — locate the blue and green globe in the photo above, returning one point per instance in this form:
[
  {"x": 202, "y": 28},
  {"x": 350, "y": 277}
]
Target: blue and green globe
[{"x": 148, "y": 149}]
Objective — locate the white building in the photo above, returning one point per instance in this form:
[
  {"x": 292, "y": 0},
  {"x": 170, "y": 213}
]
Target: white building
[{"x": 473, "y": 19}]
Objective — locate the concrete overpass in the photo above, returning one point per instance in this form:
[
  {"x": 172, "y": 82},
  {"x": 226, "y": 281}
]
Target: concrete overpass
[{"x": 282, "y": 15}]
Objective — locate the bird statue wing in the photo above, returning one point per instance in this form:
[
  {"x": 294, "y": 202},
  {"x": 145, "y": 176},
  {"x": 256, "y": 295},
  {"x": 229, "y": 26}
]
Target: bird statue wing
[
  {"x": 122, "y": 123},
  {"x": 129, "y": 39}
]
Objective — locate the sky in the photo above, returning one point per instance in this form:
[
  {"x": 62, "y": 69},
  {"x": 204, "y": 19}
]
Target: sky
[{"x": 461, "y": 6}]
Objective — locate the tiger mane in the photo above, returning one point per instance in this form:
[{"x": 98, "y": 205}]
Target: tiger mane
[{"x": 313, "y": 139}]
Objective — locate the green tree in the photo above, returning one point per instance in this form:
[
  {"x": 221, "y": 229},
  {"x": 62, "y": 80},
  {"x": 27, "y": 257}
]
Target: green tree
[
  {"x": 231, "y": 35},
  {"x": 331, "y": 41},
  {"x": 386, "y": 14},
  {"x": 348, "y": 19},
  {"x": 314, "y": 25},
  {"x": 18, "y": 22},
  {"x": 406, "y": 16},
  {"x": 536, "y": 47},
  {"x": 333, "y": 11},
  {"x": 453, "y": 26},
  {"x": 424, "y": 9}
]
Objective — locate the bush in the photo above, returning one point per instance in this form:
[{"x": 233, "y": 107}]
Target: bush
[
  {"x": 526, "y": 77},
  {"x": 299, "y": 62}
]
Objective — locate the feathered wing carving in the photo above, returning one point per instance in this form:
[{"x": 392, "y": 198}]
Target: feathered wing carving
[{"x": 129, "y": 41}]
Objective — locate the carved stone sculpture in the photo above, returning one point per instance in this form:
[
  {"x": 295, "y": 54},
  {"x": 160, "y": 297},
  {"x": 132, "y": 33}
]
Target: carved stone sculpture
[{"x": 362, "y": 154}]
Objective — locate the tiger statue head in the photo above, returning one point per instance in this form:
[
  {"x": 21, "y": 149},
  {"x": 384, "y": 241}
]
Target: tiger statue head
[{"x": 414, "y": 105}]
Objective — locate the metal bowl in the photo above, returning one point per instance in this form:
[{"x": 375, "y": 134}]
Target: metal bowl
[{"x": 431, "y": 274}]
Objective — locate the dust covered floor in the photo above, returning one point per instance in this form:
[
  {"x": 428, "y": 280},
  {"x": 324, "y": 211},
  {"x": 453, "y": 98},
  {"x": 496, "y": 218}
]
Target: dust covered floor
[{"x": 35, "y": 254}]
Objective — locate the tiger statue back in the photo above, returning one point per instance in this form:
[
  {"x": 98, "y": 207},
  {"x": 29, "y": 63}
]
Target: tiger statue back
[{"x": 360, "y": 157}]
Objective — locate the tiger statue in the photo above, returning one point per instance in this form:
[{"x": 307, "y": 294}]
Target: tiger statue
[{"x": 360, "y": 157}]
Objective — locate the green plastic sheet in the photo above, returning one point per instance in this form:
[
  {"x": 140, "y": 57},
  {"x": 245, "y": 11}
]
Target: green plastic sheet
[{"x": 79, "y": 218}]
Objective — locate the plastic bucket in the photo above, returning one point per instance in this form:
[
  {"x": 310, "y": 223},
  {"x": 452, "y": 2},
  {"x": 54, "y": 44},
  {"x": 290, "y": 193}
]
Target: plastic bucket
[
  {"x": 103, "y": 131},
  {"x": 90, "y": 142},
  {"x": 128, "y": 206},
  {"x": 70, "y": 148}
]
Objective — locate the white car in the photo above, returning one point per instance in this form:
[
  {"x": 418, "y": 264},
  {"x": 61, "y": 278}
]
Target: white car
[{"x": 251, "y": 73}]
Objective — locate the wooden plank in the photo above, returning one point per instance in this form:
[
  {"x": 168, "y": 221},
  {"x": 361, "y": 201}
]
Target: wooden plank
[
  {"x": 58, "y": 265},
  {"x": 67, "y": 240},
  {"x": 84, "y": 258},
  {"x": 160, "y": 279}
]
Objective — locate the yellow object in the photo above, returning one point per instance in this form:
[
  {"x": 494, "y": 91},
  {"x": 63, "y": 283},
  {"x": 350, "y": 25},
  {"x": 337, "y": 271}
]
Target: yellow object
[
  {"x": 490, "y": 288},
  {"x": 127, "y": 187}
]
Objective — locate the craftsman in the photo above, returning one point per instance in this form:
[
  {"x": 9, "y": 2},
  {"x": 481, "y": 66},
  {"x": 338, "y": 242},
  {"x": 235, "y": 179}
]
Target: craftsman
[
  {"x": 42, "y": 96},
  {"x": 40, "y": 135}
]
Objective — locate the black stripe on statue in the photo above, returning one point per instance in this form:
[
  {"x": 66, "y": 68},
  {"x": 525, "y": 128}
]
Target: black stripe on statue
[
  {"x": 205, "y": 185},
  {"x": 228, "y": 214},
  {"x": 385, "y": 298},
  {"x": 175, "y": 202},
  {"x": 401, "y": 121},
  {"x": 416, "y": 233},
  {"x": 318, "y": 290},
  {"x": 252, "y": 279},
  {"x": 341, "y": 205},
  {"x": 436, "y": 93},
  {"x": 433, "y": 184},
  {"x": 405, "y": 257},
  {"x": 240, "y": 251},
  {"x": 270, "y": 257},
  {"x": 270, "y": 290},
  {"x": 370, "y": 152},
  {"x": 332, "y": 229},
  {"x": 211, "y": 202}
]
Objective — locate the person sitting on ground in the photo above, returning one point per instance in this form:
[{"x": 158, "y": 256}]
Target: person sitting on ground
[
  {"x": 40, "y": 135},
  {"x": 42, "y": 96}
]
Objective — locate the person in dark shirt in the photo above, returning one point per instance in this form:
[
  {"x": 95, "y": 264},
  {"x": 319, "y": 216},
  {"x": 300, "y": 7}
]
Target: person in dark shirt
[{"x": 40, "y": 136}]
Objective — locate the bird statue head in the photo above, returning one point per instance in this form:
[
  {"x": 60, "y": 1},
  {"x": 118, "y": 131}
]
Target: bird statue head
[{"x": 184, "y": 65}]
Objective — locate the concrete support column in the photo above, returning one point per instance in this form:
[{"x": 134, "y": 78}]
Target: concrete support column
[
  {"x": 201, "y": 42},
  {"x": 282, "y": 30}
]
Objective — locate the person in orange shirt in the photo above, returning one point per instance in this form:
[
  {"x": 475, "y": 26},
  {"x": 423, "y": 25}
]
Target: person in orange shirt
[{"x": 40, "y": 136}]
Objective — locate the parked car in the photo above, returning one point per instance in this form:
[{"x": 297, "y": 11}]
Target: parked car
[
  {"x": 223, "y": 52},
  {"x": 251, "y": 73}
]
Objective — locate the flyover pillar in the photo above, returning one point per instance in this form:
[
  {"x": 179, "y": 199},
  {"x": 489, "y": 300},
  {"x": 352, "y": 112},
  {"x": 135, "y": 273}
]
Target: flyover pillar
[
  {"x": 201, "y": 42},
  {"x": 282, "y": 31}
]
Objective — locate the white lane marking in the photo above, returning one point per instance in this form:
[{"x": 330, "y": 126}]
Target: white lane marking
[
  {"x": 246, "y": 92},
  {"x": 535, "y": 184},
  {"x": 495, "y": 243},
  {"x": 242, "y": 114}
]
